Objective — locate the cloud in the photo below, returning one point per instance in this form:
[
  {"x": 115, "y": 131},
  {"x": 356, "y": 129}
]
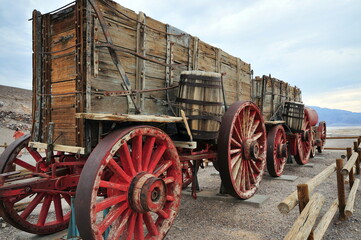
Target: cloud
[
  {"x": 346, "y": 98},
  {"x": 315, "y": 45}
]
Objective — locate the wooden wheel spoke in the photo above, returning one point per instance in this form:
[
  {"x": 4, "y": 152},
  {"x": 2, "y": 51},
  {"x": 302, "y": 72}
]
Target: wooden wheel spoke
[
  {"x": 110, "y": 201},
  {"x": 234, "y": 151},
  {"x": 251, "y": 121},
  {"x": 66, "y": 198},
  {"x": 35, "y": 154},
  {"x": 131, "y": 226},
  {"x": 137, "y": 144},
  {"x": 58, "y": 208},
  {"x": 163, "y": 214},
  {"x": 116, "y": 169},
  {"x": 254, "y": 167},
  {"x": 16, "y": 199},
  {"x": 139, "y": 231},
  {"x": 251, "y": 173},
  {"x": 147, "y": 151},
  {"x": 169, "y": 180},
  {"x": 246, "y": 177},
  {"x": 238, "y": 129},
  {"x": 126, "y": 159},
  {"x": 29, "y": 209},
  {"x": 119, "y": 225},
  {"x": 235, "y": 143},
  {"x": 241, "y": 175},
  {"x": 235, "y": 159},
  {"x": 254, "y": 127},
  {"x": 25, "y": 165},
  {"x": 156, "y": 156},
  {"x": 237, "y": 175},
  {"x": 256, "y": 136},
  {"x": 163, "y": 168},
  {"x": 44, "y": 210},
  {"x": 236, "y": 167},
  {"x": 149, "y": 223},
  {"x": 113, "y": 214},
  {"x": 111, "y": 185}
]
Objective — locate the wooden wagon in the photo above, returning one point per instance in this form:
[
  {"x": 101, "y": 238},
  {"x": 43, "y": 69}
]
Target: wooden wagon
[{"x": 125, "y": 109}]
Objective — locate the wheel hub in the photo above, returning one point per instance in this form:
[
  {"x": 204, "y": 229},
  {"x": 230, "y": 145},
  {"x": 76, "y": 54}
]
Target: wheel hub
[
  {"x": 282, "y": 150},
  {"x": 251, "y": 149},
  {"x": 147, "y": 193}
]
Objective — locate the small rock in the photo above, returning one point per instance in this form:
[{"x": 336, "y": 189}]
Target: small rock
[
  {"x": 3, "y": 225},
  {"x": 1, "y": 104}
]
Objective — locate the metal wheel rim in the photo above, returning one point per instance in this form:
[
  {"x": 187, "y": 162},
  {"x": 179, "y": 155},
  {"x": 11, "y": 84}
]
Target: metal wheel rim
[
  {"x": 122, "y": 220},
  {"x": 21, "y": 219},
  {"x": 275, "y": 162},
  {"x": 240, "y": 175}
]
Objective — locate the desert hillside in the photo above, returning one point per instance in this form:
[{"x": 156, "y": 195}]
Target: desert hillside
[{"x": 15, "y": 108}]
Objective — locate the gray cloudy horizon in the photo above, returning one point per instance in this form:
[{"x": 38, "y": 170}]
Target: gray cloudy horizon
[{"x": 313, "y": 44}]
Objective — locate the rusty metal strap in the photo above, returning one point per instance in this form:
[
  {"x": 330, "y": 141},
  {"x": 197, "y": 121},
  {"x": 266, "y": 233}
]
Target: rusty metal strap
[
  {"x": 62, "y": 50},
  {"x": 124, "y": 93},
  {"x": 126, "y": 83},
  {"x": 204, "y": 117},
  {"x": 199, "y": 77},
  {"x": 118, "y": 48},
  {"x": 182, "y": 82},
  {"x": 198, "y": 102}
]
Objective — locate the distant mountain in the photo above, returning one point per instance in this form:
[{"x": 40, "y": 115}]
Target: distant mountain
[{"x": 336, "y": 117}]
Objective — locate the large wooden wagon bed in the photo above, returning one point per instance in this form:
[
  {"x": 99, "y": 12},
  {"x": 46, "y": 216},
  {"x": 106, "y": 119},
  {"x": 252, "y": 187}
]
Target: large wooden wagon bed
[{"x": 125, "y": 110}]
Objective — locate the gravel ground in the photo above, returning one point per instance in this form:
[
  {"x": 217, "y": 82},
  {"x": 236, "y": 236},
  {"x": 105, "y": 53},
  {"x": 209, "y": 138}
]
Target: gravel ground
[{"x": 218, "y": 219}]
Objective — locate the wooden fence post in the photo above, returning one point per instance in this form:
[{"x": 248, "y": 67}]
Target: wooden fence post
[
  {"x": 340, "y": 190},
  {"x": 355, "y": 148},
  {"x": 359, "y": 140},
  {"x": 303, "y": 199},
  {"x": 351, "y": 177}
]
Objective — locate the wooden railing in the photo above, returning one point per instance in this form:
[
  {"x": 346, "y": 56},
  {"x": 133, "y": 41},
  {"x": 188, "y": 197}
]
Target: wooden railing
[
  {"x": 340, "y": 138},
  {"x": 310, "y": 208}
]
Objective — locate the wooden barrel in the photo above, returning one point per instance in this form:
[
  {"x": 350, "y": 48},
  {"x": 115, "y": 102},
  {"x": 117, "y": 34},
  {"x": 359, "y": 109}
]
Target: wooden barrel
[
  {"x": 293, "y": 114},
  {"x": 200, "y": 97}
]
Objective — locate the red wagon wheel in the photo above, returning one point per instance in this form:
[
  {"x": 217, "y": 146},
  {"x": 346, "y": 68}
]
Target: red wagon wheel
[
  {"x": 22, "y": 211},
  {"x": 135, "y": 175},
  {"x": 276, "y": 150},
  {"x": 242, "y": 149},
  {"x": 322, "y": 132},
  {"x": 304, "y": 141},
  {"x": 187, "y": 174}
]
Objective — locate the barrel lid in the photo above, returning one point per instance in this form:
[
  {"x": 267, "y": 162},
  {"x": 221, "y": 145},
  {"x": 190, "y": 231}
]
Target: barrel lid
[{"x": 201, "y": 73}]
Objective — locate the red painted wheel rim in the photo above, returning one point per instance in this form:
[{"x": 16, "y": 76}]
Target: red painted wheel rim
[
  {"x": 29, "y": 219},
  {"x": 242, "y": 149},
  {"x": 276, "y": 150},
  {"x": 304, "y": 141},
  {"x": 144, "y": 197}
]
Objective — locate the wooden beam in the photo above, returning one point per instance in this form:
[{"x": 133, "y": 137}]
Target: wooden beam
[
  {"x": 129, "y": 117},
  {"x": 325, "y": 221},
  {"x": 303, "y": 198},
  {"x": 340, "y": 189},
  {"x": 274, "y": 122},
  {"x": 291, "y": 201},
  {"x": 58, "y": 147},
  {"x": 349, "y": 164},
  {"x": 343, "y": 137},
  {"x": 334, "y": 148},
  {"x": 303, "y": 226},
  {"x": 188, "y": 145},
  {"x": 351, "y": 199}
]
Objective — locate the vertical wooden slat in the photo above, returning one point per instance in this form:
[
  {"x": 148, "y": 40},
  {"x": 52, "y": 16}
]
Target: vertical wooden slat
[
  {"x": 195, "y": 53},
  {"x": 37, "y": 75},
  {"x": 47, "y": 100},
  {"x": 140, "y": 63},
  {"x": 238, "y": 80}
]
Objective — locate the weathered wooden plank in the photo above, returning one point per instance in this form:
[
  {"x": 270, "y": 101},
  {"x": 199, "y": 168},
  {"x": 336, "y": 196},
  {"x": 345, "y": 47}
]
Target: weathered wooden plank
[
  {"x": 58, "y": 147},
  {"x": 129, "y": 117}
]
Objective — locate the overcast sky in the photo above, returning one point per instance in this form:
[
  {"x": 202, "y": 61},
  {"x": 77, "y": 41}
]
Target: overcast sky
[{"x": 313, "y": 44}]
